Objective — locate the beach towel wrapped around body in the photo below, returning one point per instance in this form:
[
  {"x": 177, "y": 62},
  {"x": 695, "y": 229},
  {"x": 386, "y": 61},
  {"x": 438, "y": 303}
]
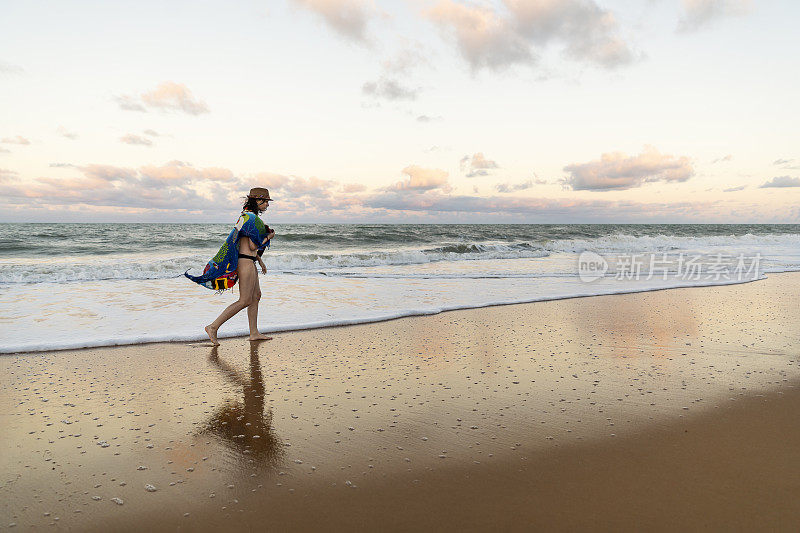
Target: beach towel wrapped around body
[{"x": 220, "y": 272}]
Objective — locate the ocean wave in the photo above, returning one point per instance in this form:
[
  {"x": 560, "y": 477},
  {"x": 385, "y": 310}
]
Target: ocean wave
[
  {"x": 105, "y": 268},
  {"x": 626, "y": 243},
  {"x": 781, "y": 252}
]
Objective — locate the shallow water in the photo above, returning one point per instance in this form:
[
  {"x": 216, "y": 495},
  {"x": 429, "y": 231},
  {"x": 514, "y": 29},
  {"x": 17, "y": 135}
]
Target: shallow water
[{"x": 80, "y": 285}]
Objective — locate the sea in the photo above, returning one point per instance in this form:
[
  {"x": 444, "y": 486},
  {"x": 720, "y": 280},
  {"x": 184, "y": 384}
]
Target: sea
[{"x": 84, "y": 285}]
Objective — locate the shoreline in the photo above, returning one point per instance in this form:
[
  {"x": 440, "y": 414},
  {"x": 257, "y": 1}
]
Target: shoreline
[
  {"x": 615, "y": 412},
  {"x": 370, "y": 320}
]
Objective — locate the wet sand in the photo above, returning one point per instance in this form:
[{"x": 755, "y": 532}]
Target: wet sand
[{"x": 665, "y": 410}]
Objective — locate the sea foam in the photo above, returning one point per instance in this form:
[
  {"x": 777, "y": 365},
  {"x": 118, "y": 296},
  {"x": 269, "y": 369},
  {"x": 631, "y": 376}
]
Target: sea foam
[{"x": 96, "y": 298}]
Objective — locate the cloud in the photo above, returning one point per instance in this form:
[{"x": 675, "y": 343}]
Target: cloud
[
  {"x": 477, "y": 165},
  {"x": 349, "y": 18},
  {"x": 505, "y": 187},
  {"x": 390, "y": 84},
  {"x": 176, "y": 185},
  {"x": 422, "y": 179},
  {"x": 484, "y": 39},
  {"x": 540, "y": 209},
  {"x": 735, "y": 189},
  {"x": 64, "y": 132},
  {"x": 4, "y": 151},
  {"x": 700, "y": 13},
  {"x": 480, "y": 161},
  {"x": 168, "y": 96},
  {"x": 171, "y": 96},
  {"x": 786, "y": 164},
  {"x": 129, "y": 103},
  {"x": 307, "y": 187},
  {"x": 353, "y": 187},
  {"x": 169, "y": 175},
  {"x": 182, "y": 172},
  {"x": 726, "y": 158},
  {"x": 781, "y": 181},
  {"x": 390, "y": 89},
  {"x": 8, "y": 68},
  {"x": 16, "y": 140},
  {"x": 489, "y": 38},
  {"x": 270, "y": 180},
  {"x": 151, "y": 133},
  {"x": 311, "y": 197},
  {"x": 62, "y": 165},
  {"x": 178, "y": 190},
  {"x": 6, "y": 174},
  {"x": 130, "y": 138},
  {"x": 426, "y": 118},
  {"x": 616, "y": 171},
  {"x": 405, "y": 60},
  {"x": 587, "y": 32},
  {"x": 109, "y": 174}
]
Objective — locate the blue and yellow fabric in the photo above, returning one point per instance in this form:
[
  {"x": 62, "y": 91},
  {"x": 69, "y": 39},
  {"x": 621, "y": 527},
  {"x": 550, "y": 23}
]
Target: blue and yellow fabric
[{"x": 220, "y": 272}]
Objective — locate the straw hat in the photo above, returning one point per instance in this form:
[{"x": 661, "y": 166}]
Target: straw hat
[{"x": 259, "y": 192}]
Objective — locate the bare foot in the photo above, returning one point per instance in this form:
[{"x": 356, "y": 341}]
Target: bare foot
[
  {"x": 212, "y": 334},
  {"x": 259, "y": 337}
]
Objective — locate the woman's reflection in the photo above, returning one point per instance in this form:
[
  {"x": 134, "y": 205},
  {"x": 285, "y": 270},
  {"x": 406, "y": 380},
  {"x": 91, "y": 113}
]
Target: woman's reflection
[{"x": 246, "y": 426}]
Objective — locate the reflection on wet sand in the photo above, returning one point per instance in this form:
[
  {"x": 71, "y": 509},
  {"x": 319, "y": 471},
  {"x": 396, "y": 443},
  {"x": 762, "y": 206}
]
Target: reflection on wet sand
[
  {"x": 640, "y": 327},
  {"x": 244, "y": 425}
]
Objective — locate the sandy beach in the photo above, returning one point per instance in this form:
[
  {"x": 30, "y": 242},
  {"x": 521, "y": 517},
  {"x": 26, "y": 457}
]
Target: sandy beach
[{"x": 666, "y": 410}]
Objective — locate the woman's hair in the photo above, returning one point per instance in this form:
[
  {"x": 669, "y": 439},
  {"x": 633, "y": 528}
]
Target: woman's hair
[{"x": 251, "y": 204}]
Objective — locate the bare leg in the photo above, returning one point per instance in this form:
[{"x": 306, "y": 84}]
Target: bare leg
[
  {"x": 252, "y": 314},
  {"x": 247, "y": 277}
]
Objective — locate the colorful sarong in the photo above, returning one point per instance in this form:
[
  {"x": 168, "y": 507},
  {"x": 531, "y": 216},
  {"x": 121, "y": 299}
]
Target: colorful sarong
[{"x": 220, "y": 273}]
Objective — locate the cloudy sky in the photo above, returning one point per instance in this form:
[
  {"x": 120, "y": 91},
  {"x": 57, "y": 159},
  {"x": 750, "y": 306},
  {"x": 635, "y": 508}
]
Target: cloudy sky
[{"x": 401, "y": 110}]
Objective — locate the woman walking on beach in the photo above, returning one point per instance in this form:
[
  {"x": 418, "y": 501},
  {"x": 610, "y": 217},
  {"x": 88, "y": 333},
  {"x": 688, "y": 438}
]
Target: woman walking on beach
[{"x": 236, "y": 261}]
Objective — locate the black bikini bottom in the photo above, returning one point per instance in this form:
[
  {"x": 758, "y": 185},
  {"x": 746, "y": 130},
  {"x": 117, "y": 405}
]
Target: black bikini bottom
[{"x": 254, "y": 258}]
